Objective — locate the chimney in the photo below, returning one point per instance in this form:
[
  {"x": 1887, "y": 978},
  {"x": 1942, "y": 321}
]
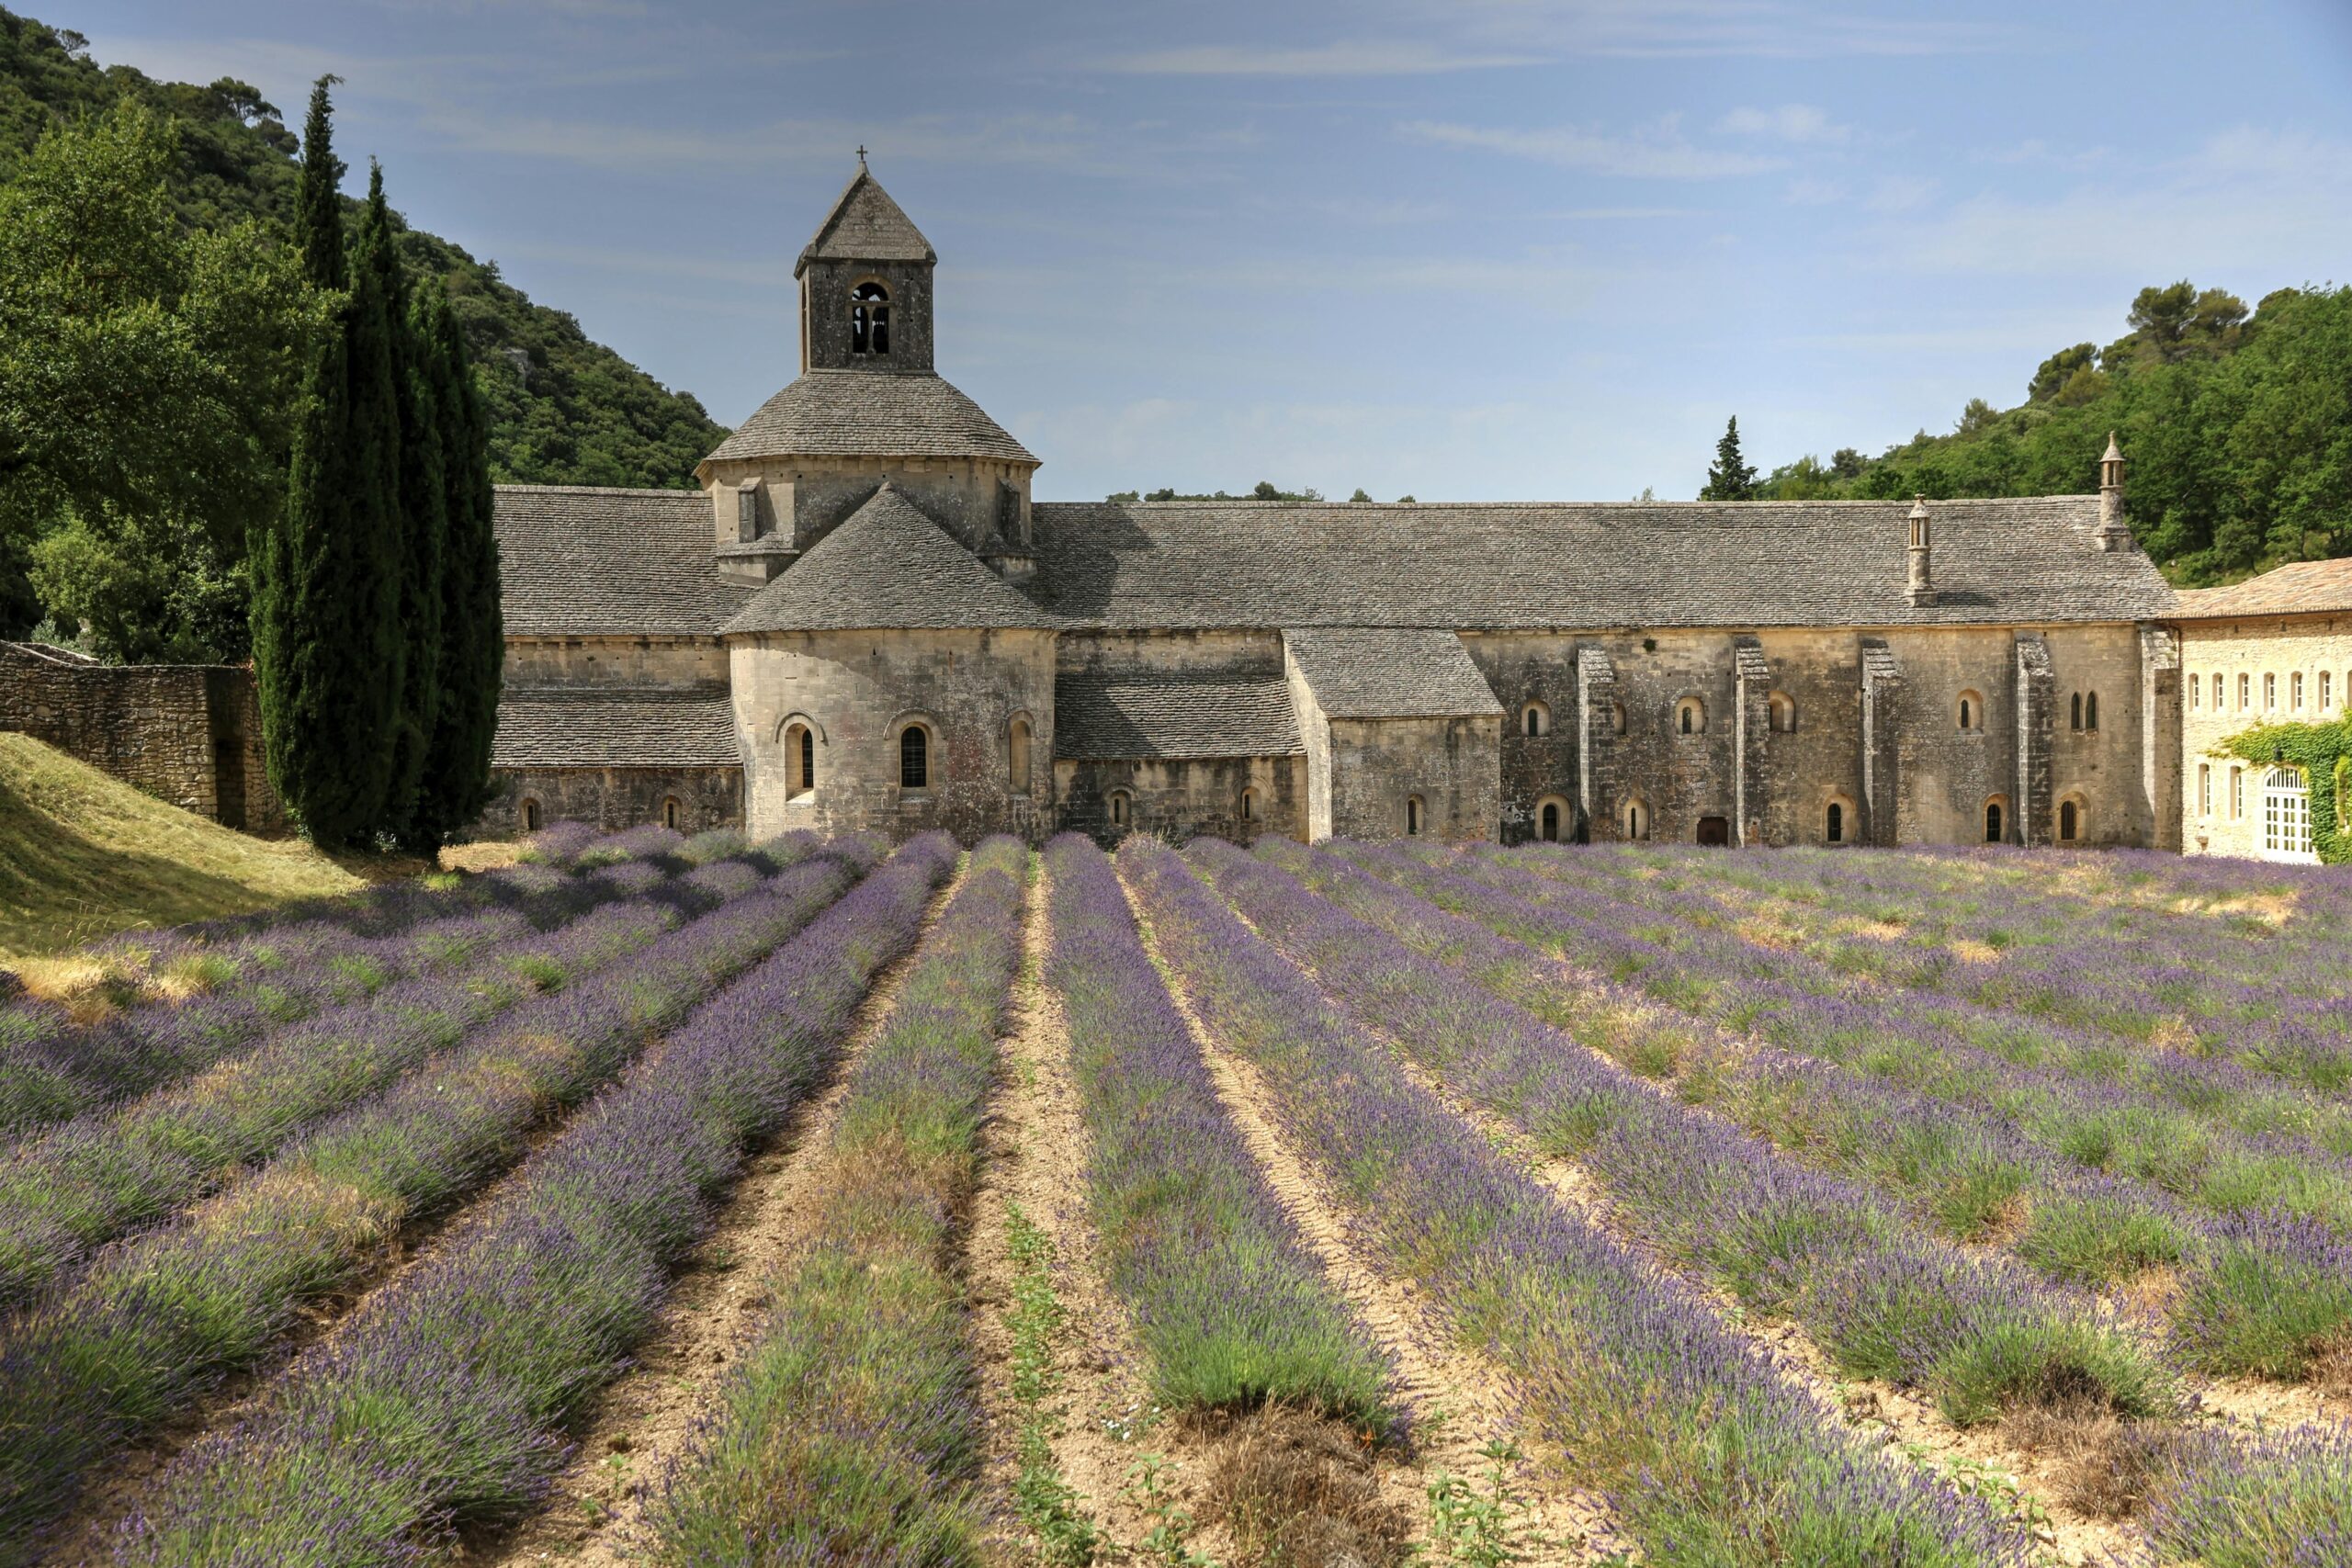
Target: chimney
[
  {"x": 2114, "y": 536},
  {"x": 1923, "y": 588}
]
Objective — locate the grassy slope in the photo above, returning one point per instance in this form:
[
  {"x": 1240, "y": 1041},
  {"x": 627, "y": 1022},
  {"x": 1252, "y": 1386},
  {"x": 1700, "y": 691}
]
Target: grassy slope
[{"x": 83, "y": 855}]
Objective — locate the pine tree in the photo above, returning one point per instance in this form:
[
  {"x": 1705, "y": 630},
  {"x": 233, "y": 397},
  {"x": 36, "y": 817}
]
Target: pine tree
[
  {"x": 1730, "y": 478},
  {"x": 326, "y": 575},
  {"x": 473, "y": 640},
  {"x": 424, "y": 522}
]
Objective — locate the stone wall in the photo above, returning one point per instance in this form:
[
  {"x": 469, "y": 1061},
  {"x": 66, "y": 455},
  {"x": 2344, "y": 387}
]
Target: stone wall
[
  {"x": 190, "y": 734},
  {"x": 825, "y": 289},
  {"x": 801, "y": 499},
  {"x": 859, "y": 691},
  {"x": 615, "y": 661},
  {"x": 1451, "y": 765},
  {"x": 612, "y": 798},
  {"x": 2278, "y": 646},
  {"x": 1183, "y": 798}
]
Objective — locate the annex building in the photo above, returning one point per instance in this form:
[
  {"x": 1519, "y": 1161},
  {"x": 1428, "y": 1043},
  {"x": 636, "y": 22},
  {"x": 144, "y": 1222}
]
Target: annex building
[{"x": 862, "y": 619}]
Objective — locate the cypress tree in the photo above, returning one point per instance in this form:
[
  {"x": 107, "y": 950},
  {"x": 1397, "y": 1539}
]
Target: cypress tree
[
  {"x": 424, "y": 522},
  {"x": 473, "y": 640},
  {"x": 327, "y": 578},
  {"x": 1731, "y": 478}
]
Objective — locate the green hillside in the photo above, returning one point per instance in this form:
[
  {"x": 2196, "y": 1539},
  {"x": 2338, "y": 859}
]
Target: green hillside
[
  {"x": 2237, "y": 425},
  {"x": 578, "y": 413}
]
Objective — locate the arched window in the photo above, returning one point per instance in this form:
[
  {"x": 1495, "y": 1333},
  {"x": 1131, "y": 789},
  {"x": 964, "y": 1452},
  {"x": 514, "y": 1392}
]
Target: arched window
[
  {"x": 1537, "y": 719},
  {"x": 1690, "y": 715},
  {"x": 1552, "y": 821},
  {"x": 2295, "y": 690},
  {"x": 1833, "y": 827},
  {"x": 1972, "y": 711},
  {"x": 2217, "y": 691},
  {"x": 2326, "y": 691},
  {"x": 1249, "y": 805},
  {"x": 1636, "y": 818},
  {"x": 1617, "y": 718},
  {"x": 2245, "y": 692},
  {"x": 1781, "y": 712},
  {"x": 799, "y": 759},
  {"x": 2286, "y": 815},
  {"x": 1413, "y": 815},
  {"x": 2078, "y": 710},
  {"x": 2270, "y": 692},
  {"x": 869, "y": 318},
  {"x": 531, "y": 815},
  {"x": 2090, "y": 710},
  {"x": 1997, "y": 821},
  {"x": 1016, "y": 744},
  {"x": 2070, "y": 821},
  {"x": 914, "y": 758},
  {"x": 1122, "y": 808},
  {"x": 2238, "y": 793},
  {"x": 2204, "y": 789},
  {"x": 673, "y": 814},
  {"x": 2195, "y": 693}
]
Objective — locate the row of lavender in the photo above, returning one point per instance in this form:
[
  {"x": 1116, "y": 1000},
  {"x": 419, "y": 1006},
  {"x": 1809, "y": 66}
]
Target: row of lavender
[
  {"x": 849, "y": 1430},
  {"x": 1705, "y": 1449},
  {"x": 1878, "y": 1298},
  {"x": 1980, "y": 1149},
  {"x": 96, "y": 1177},
  {"x": 157, "y": 1318},
  {"x": 208, "y": 994},
  {"x": 444, "y": 1401},
  {"x": 2269, "y": 996}
]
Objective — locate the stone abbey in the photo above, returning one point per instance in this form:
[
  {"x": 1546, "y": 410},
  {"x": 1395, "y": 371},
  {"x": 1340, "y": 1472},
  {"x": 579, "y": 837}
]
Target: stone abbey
[{"x": 862, "y": 620}]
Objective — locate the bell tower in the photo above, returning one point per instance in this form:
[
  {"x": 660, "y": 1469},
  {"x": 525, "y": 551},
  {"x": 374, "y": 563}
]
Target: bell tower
[{"x": 865, "y": 285}]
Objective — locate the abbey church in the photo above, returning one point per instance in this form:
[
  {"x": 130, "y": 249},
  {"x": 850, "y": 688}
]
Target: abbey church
[{"x": 862, "y": 619}]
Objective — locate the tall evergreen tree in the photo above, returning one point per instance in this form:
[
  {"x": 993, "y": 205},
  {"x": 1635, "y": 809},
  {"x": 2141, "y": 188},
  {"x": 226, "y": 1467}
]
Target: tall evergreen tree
[
  {"x": 327, "y": 572},
  {"x": 423, "y": 520},
  {"x": 1730, "y": 478},
  {"x": 473, "y": 640}
]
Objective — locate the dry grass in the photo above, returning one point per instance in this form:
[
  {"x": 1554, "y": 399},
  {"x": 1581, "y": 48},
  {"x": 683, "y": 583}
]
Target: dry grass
[
  {"x": 1297, "y": 1490},
  {"x": 84, "y": 855},
  {"x": 2102, "y": 1466}
]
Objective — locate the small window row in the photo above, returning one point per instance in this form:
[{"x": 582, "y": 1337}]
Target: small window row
[{"x": 2314, "y": 692}]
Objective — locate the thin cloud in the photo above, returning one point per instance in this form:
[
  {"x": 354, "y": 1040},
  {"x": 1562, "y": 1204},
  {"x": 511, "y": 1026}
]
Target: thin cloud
[
  {"x": 1800, "y": 123},
  {"x": 1359, "y": 57},
  {"x": 1659, "y": 154},
  {"x": 1687, "y": 29}
]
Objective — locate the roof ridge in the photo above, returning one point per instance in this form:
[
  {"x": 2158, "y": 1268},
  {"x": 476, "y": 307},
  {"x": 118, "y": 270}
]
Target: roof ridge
[
  {"x": 600, "y": 490},
  {"x": 1425, "y": 506}
]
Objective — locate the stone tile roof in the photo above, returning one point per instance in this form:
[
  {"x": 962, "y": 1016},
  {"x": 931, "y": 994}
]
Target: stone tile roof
[
  {"x": 1390, "y": 672},
  {"x": 1235, "y": 564},
  {"x": 581, "y": 561},
  {"x": 888, "y": 565},
  {"x": 2300, "y": 588},
  {"x": 1173, "y": 713},
  {"x": 615, "y": 726},
  {"x": 866, "y": 225},
  {"x": 870, "y": 413}
]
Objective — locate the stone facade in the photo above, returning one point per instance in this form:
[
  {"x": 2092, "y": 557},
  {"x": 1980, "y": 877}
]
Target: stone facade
[
  {"x": 2277, "y": 649},
  {"x": 189, "y": 733},
  {"x": 1763, "y": 673}
]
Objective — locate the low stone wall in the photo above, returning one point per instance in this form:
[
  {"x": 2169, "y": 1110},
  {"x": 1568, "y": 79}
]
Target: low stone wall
[
  {"x": 612, "y": 799},
  {"x": 190, "y": 734}
]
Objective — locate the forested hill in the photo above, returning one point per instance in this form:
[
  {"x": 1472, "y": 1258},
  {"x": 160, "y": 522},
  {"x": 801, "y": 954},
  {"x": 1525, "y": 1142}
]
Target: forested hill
[
  {"x": 2236, "y": 425},
  {"x": 563, "y": 410}
]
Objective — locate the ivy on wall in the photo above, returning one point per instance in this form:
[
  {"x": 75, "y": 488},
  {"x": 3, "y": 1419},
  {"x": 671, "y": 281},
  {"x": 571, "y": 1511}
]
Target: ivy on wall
[{"x": 2323, "y": 752}]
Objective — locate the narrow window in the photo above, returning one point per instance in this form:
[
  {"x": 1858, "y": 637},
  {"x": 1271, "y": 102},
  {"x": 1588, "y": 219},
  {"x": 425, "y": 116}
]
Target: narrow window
[
  {"x": 914, "y": 758},
  {"x": 2090, "y": 711},
  {"x": 1413, "y": 815},
  {"x": 1993, "y": 822},
  {"x": 1551, "y": 826},
  {"x": 530, "y": 815},
  {"x": 2295, "y": 690},
  {"x": 799, "y": 760},
  {"x": 2069, "y": 820},
  {"x": 1249, "y": 805},
  {"x": 1967, "y": 715},
  {"x": 869, "y": 318},
  {"x": 1539, "y": 719},
  {"x": 2238, "y": 793},
  {"x": 2195, "y": 693},
  {"x": 1834, "y": 829},
  {"x": 1972, "y": 710},
  {"x": 2078, "y": 710},
  {"x": 2217, "y": 691},
  {"x": 1637, "y": 820},
  {"x": 1690, "y": 715},
  {"x": 1617, "y": 718},
  {"x": 2269, "y": 693},
  {"x": 808, "y": 758},
  {"x": 2326, "y": 691},
  {"x": 671, "y": 812},
  {"x": 1119, "y": 800},
  {"x": 1017, "y": 747},
  {"x": 1781, "y": 712},
  {"x": 2204, "y": 789},
  {"x": 2245, "y": 692}
]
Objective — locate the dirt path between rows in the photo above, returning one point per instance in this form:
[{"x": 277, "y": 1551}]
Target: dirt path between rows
[
  {"x": 1459, "y": 1401},
  {"x": 1036, "y": 1149},
  {"x": 717, "y": 1300}
]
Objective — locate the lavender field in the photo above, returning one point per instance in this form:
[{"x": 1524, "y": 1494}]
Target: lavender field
[{"x": 693, "y": 1201}]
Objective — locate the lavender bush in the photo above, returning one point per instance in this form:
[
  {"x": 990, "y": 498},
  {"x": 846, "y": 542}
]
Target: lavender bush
[
  {"x": 158, "y": 1317},
  {"x": 1708, "y": 1453},
  {"x": 441, "y": 1403},
  {"x": 1230, "y": 1306},
  {"x": 848, "y": 1431}
]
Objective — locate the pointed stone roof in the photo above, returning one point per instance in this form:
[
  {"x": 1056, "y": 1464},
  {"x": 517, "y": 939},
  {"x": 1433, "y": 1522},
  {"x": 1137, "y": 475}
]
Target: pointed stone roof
[
  {"x": 866, "y": 225},
  {"x": 889, "y": 567}
]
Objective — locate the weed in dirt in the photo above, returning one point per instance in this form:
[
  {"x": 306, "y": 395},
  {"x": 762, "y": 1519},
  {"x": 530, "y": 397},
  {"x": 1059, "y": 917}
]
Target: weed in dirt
[
  {"x": 1475, "y": 1528},
  {"x": 1050, "y": 1507}
]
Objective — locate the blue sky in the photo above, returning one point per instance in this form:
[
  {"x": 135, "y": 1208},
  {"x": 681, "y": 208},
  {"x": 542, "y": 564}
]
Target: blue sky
[{"x": 1469, "y": 249}]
